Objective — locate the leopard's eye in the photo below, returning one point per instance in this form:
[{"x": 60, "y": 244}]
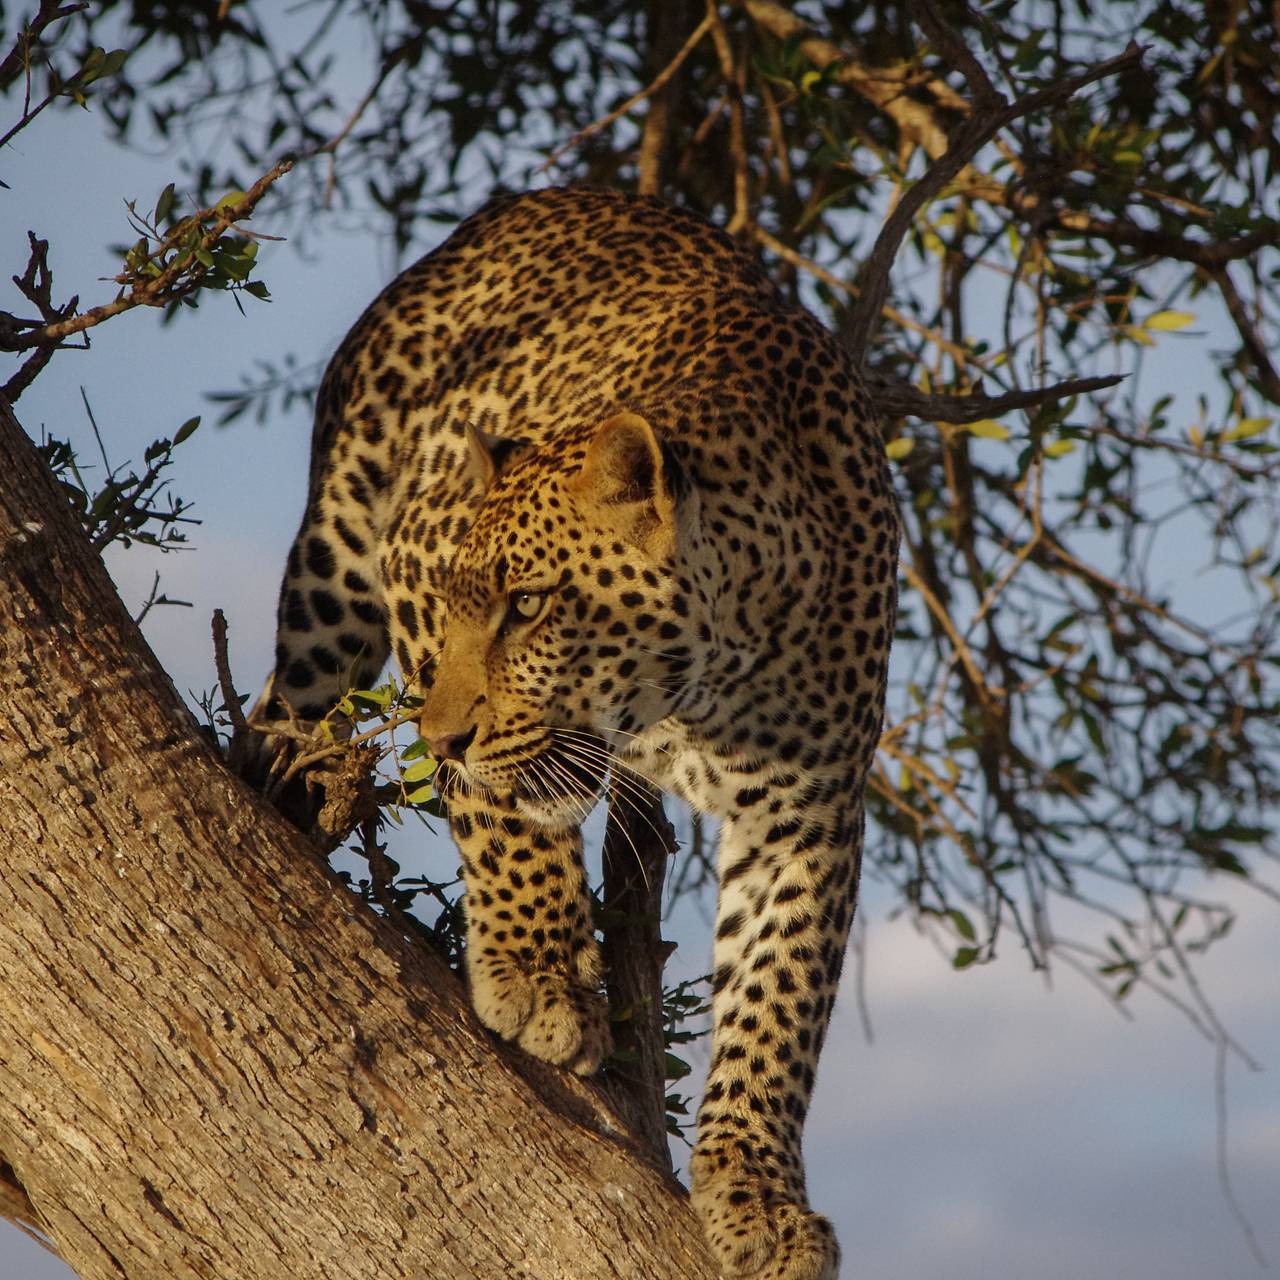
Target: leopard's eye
[{"x": 525, "y": 606}]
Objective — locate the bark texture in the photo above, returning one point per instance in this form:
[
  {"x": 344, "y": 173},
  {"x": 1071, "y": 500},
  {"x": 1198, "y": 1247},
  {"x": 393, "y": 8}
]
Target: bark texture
[{"x": 213, "y": 1061}]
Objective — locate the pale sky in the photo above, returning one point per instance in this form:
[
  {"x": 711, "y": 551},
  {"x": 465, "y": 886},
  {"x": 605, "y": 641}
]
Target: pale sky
[{"x": 994, "y": 1127}]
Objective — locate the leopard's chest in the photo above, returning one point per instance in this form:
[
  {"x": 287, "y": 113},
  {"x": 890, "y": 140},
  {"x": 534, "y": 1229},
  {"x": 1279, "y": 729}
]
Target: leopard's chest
[{"x": 711, "y": 780}]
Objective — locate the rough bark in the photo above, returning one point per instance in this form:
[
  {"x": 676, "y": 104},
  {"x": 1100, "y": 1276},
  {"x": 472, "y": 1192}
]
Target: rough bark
[{"x": 213, "y": 1061}]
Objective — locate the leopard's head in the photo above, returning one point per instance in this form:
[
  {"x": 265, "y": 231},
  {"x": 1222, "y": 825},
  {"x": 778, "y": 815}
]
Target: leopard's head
[{"x": 573, "y": 618}]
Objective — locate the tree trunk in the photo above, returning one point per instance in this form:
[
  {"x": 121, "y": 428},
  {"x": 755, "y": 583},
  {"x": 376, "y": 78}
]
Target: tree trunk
[{"x": 214, "y": 1062}]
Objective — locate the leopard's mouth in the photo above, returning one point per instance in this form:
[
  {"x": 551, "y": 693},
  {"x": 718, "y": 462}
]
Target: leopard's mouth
[
  {"x": 562, "y": 781},
  {"x": 555, "y": 781}
]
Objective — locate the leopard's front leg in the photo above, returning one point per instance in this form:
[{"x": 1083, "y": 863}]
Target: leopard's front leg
[
  {"x": 788, "y": 886},
  {"x": 533, "y": 961}
]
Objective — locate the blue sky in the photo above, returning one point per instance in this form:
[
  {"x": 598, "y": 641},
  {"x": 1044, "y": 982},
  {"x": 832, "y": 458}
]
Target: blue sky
[{"x": 996, "y": 1125}]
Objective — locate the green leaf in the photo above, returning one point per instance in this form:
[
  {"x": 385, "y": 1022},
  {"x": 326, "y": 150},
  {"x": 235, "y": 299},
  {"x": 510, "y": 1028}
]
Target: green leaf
[
  {"x": 420, "y": 771},
  {"x": 964, "y": 926},
  {"x": 964, "y": 957},
  {"x": 164, "y": 206},
  {"x": 1059, "y": 448},
  {"x": 113, "y": 62},
  {"x": 899, "y": 448},
  {"x": 416, "y": 750},
  {"x": 420, "y": 795},
  {"x": 231, "y": 199},
  {"x": 379, "y": 698}
]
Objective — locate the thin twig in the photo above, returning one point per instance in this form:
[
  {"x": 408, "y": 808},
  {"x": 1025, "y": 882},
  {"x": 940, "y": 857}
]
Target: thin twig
[
  {"x": 330, "y": 148},
  {"x": 891, "y": 313},
  {"x": 1267, "y": 380},
  {"x": 154, "y": 291},
  {"x": 636, "y": 98},
  {"x": 222, "y": 665},
  {"x": 1224, "y": 1168},
  {"x": 732, "y": 77}
]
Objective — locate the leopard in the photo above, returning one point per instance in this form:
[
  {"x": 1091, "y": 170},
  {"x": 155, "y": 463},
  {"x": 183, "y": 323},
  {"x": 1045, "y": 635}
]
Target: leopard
[{"x": 620, "y": 509}]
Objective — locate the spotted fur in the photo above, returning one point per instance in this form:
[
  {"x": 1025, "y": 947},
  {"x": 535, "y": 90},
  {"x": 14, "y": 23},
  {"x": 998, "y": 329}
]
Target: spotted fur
[{"x": 614, "y": 503}]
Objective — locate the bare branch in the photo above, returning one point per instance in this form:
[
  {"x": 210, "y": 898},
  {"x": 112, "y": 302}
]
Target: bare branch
[
  {"x": 222, "y": 664},
  {"x": 895, "y": 398},
  {"x": 1266, "y": 379},
  {"x": 36, "y": 285},
  {"x": 638, "y": 841},
  {"x": 954, "y": 51},
  {"x": 884, "y": 87},
  {"x": 1213, "y": 255},
  {"x": 18, "y": 59},
  {"x": 891, "y": 313},
  {"x": 732, "y": 77},
  {"x": 666, "y": 20}
]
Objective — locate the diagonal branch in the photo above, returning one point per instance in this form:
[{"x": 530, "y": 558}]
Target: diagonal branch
[
  {"x": 1265, "y": 378},
  {"x": 884, "y": 87},
  {"x": 895, "y": 398},
  {"x": 180, "y": 278},
  {"x": 965, "y": 143},
  {"x": 18, "y": 59}
]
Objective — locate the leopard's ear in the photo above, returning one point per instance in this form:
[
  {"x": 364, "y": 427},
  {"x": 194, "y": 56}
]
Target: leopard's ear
[
  {"x": 628, "y": 483},
  {"x": 487, "y": 455}
]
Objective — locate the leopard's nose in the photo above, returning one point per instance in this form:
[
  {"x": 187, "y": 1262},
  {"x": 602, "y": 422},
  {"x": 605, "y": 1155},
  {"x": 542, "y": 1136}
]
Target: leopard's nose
[{"x": 451, "y": 746}]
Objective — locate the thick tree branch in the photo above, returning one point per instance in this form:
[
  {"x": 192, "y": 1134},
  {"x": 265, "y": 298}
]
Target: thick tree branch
[
  {"x": 666, "y": 22},
  {"x": 1213, "y": 255},
  {"x": 884, "y": 87},
  {"x": 215, "y": 1061}
]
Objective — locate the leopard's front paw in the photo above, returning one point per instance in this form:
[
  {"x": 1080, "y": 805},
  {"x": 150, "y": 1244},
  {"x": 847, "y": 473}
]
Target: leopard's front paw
[
  {"x": 545, "y": 1013},
  {"x": 754, "y": 1230}
]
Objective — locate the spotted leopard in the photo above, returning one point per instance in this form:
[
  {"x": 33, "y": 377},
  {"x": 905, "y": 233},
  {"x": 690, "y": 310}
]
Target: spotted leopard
[{"x": 617, "y": 505}]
